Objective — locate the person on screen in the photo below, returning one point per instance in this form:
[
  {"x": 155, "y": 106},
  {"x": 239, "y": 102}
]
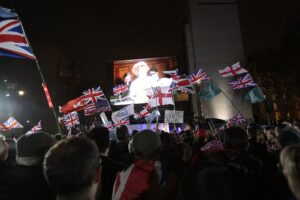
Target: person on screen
[
  {"x": 139, "y": 85},
  {"x": 127, "y": 79}
]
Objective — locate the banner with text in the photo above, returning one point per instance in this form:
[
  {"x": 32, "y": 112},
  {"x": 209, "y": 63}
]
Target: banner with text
[{"x": 173, "y": 116}]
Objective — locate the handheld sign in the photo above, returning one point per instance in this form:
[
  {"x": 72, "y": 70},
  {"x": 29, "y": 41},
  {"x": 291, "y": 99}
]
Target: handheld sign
[{"x": 173, "y": 116}]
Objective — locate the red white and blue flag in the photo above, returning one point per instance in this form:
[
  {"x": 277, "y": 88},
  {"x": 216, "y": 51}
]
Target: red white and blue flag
[
  {"x": 35, "y": 129},
  {"x": 182, "y": 84},
  {"x": 243, "y": 82},
  {"x": 93, "y": 95},
  {"x": 232, "y": 70},
  {"x": 13, "y": 42},
  {"x": 98, "y": 107},
  {"x": 120, "y": 89},
  {"x": 12, "y": 123},
  {"x": 199, "y": 76},
  {"x": 124, "y": 121},
  {"x": 143, "y": 113},
  {"x": 71, "y": 120}
]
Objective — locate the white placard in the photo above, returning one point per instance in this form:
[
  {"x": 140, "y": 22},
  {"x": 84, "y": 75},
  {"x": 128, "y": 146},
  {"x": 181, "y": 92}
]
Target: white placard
[{"x": 173, "y": 116}]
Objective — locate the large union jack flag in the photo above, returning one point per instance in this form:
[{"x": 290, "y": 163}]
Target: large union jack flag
[
  {"x": 232, "y": 70},
  {"x": 243, "y": 82},
  {"x": 92, "y": 95},
  {"x": 120, "y": 89},
  {"x": 12, "y": 123},
  {"x": 13, "y": 42},
  {"x": 199, "y": 76},
  {"x": 71, "y": 120}
]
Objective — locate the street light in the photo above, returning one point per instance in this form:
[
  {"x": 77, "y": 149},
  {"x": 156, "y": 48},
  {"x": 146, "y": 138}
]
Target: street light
[{"x": 21, "y": 92}]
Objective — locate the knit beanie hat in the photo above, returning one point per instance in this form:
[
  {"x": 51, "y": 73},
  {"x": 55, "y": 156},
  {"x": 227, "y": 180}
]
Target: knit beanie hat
[{"x": 30, "y": 149}]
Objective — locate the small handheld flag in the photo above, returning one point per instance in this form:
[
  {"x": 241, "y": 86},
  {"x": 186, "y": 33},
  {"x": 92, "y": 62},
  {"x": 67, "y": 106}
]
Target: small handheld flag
[{"x": 232, "y": 70}]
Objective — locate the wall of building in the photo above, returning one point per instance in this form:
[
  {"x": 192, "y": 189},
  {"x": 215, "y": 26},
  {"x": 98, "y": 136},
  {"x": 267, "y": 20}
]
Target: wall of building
[{"x": 214, "y": 41}]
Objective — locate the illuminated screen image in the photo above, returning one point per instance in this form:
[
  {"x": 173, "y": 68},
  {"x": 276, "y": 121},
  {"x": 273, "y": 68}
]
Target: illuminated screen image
[{"x": 140, "y": 76}]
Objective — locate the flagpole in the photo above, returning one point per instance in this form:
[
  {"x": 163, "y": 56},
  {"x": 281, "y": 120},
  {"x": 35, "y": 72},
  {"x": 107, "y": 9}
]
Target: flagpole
[{"x": 38, "y": 66}]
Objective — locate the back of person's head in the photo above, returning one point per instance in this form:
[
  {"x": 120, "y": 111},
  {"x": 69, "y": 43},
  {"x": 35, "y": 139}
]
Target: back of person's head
[
  {"x": 30, "y": 149},
  {"x": 101, "y": 137},
  {"x": 165, "y": 138},
  {"x": 290, "y": 161},
  {"x": 122, "y": 133},
  {"x": 72, "y": 166},
  {"x": 252, "y": 131},
  {"x": 3, "y": 148},
  {"x": 146, "y": 145},
  {"x": 134, "y": 132},
  {"x": 288, "y": 136},
  {"x": 235, "y": 138}
]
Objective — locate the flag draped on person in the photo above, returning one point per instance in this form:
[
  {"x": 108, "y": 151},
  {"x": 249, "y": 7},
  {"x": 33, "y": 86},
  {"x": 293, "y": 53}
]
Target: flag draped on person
[
  {"x": 243, "y": 82},
  {"x": 255, "y": 95},
  {"x": 232, "y": 70},
  {"x": 210, "y": 91},
  {"x": 71, "y": 120},
  {"x": 13, "y": 42},
  {"x": 12, "y": 123},
  {"x": 199, "y": 76},
  {"x": 120, "y": 89},
  {"x": 34, "y": 129},
  {"x": 159, "y": 96}
]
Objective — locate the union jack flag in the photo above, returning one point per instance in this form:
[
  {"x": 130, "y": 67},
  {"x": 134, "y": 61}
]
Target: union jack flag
[
  {"x": 71, "y": 120},
  {"x": 13, "y": 42},
  {"x": 98, "y": 107},
  {"x": 36, "y": 128},
  {"x": 124, "y": 121},
  {"x": 239, "y": 119},
  {"x": 232, "y": 70},
  {"x": 12, "y": 123},
  {"x": 200, "y": 75},
  {"x": 243, "y": 82},
  {"x": 3, "y": 127},
  {"x": 183, "y": 85},
  {"x": 92, "y": 95},
  {"x": 110, "y": 126},
  {"x": 120, "y": 89}
]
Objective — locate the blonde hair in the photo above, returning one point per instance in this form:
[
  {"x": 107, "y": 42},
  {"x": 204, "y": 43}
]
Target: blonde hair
[{"x": 136, "y": 67}]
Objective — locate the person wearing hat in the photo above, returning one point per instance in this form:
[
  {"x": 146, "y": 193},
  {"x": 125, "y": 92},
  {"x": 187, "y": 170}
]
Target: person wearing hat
[
  {"x": 144, "y": 174},
  {"x": 25, "y": 180}
]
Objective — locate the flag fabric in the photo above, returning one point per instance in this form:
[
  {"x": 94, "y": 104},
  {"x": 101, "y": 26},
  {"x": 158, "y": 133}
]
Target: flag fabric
[
  {"x": 120, "y": 89},
  {"x": 13, "y": 42},
  {"x": 93, "y": 95},
  {"x": 182, "y": 84},
  {"x": 255, "y": 95},
  {"x": 95, "y": 108},
  {"x": 143, "y": 113},
  {"x": 159, "y": 96},
  {"x": 214, "y": 145},
  {"x": 154, "y": 114},
  {"x": 145, "y": 175},
  {"x": 71, "y": 120},
  {"x": 232, "y": 70},
  {"x": 7, "y": 13},
  {"x": 12, "y": 123},
  {"x": 110, "y": 126},
  {"x": 199, "y": 76},
  {"x": 3, "y": 127},
  {"x": 124, "y": 121},
  {"x": 72, "y": 105},
  {"x": 50, "y": 104},
  {"x": 210, "y": 91},
  {"x": 238, "y": 119},
  {"x": 243, "y": 82},
  {"x": 36, "y": 128},
  {"x": 124, "y": 112}
]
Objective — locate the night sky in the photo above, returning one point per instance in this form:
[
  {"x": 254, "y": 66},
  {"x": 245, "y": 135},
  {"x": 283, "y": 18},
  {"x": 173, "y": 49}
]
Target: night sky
[{"x": 90, "y": 33}]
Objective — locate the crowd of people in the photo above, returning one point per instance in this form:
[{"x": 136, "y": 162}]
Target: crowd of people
[{"x": 259, "y": 162}]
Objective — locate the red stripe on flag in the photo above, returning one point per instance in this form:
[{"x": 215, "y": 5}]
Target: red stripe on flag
[{"x": 47, "y": 95}]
